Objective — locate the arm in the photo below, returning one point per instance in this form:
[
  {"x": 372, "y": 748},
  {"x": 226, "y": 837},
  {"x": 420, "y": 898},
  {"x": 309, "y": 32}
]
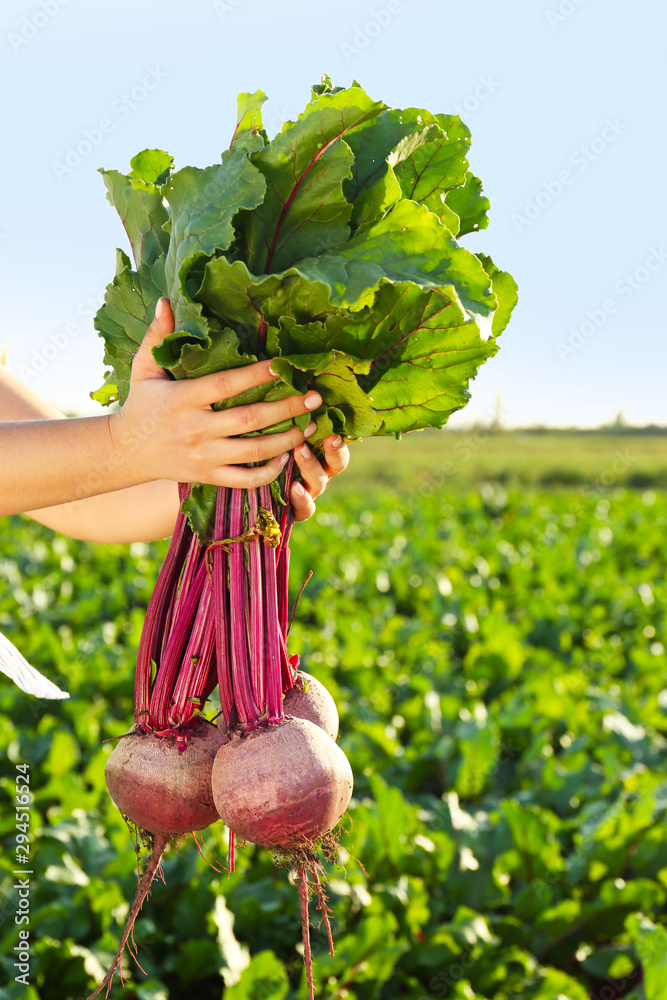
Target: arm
[
  {"x": 85, "y": 477},
  {"x": 165, "y": 430},
  {"x": 148, "y": 511},
  {"x": 138, "y": 513}
]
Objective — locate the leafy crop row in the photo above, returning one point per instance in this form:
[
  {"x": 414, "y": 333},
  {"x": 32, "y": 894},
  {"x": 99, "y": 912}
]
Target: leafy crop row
[{"x": 498, "y": 661}]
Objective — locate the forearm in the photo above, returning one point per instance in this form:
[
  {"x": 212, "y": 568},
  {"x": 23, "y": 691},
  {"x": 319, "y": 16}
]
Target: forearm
[
  {"x": 138, "y": 513},
  {"x": 46, "y": 458},
  {"x": 47, "y": 462}
]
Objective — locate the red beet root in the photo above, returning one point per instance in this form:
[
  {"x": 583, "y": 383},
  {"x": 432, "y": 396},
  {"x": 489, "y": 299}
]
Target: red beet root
[
  {"x": 314, "y": 704},
  {"x": 163, "y": 789},
  {"x": 162, "y": 784},
  {"x": 282, "y": 787}
]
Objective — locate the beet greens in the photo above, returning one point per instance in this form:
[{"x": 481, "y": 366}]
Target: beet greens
[{"x": 332, "y": 249}]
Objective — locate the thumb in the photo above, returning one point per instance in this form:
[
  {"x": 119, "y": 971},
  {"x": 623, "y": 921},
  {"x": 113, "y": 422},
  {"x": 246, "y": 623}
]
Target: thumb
[{"x": 144, "y": 365}]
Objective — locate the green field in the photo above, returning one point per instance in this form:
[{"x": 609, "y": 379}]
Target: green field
[
  {"x": 594, "y": 460},
  {"x": 498, "y": 659}
]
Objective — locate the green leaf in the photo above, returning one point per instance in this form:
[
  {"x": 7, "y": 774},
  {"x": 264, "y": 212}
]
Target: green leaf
[
  {"x": 424, "y": 351},
  {"x": 187, "y": 358},
  {"x": 344, "y": 403},
  {"x": 373, "y": 203},
  {"x": 329, "y": 248},
  {"x": 249, "y": 133},
  {"x": 199, "y": 507},
  {"x": 399, "y": 135},
  {"x": 304, "y": 210},
  {"x": 245, "y": 301},
  {"x": 152, "y": 166},
  {"x": 129, "y": 308},
  {"x": 554, "y": 985},
  {"x": 203, "y": 205},
  {"x": 107, "y": 392},
  {"x": 532, "y": 830},
  {"x": 610, "y": 962},
  {"x": 143, "y": 214},
  {"x": 650, "y": 941},
  {"x": 470, "y": 205},
  {"x": 372, "y": 948},
  {"x": 478, "y": 744},
  {"x": 395, "y": 817},
  {"x": 427, "y": 165},
  {"x": 326, "y": 87},
  {"x": 505, "y": 290},
  {"x": 264, "y": 979},
  {"x": 408, "y": 339},
  {"x": 151, "y": 991},
  {"x": 409, "y": 244}
]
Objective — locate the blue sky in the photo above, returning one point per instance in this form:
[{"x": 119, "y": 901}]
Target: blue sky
[{"x": 565, "y": 100}]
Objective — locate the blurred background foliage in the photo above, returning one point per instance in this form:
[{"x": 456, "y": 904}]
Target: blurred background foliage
[{"x": 497, "y": 654}]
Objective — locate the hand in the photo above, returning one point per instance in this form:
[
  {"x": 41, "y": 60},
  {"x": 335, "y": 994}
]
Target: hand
[
  {"x": 169, "y": 430},
  {"x": 316, "y": 474}
]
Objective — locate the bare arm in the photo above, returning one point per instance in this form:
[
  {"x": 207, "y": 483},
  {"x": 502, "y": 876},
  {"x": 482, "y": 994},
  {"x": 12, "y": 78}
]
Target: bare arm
[{"x": 138, "y": 513}]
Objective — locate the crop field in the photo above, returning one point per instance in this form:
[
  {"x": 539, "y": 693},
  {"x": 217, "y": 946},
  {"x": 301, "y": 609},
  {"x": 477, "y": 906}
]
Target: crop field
[
  {"x": 497, "y": 653},
  {"x": 591, "y": 461}
]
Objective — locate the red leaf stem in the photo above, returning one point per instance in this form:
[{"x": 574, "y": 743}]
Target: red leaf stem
[
  {"x": 247, "y": 709},
  {"x": 274, "y": 691},
  {"x": 221, "y": 605},
  {"x": 257, "y": 652}
]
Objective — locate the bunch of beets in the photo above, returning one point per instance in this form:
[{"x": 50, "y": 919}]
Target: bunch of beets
[
  {"x": 333, "y": 250},
  {"x": 270, "y": 767}
]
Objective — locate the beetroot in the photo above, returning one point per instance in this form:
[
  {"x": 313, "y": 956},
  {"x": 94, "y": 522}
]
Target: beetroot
[
  {"x": 159, "y": 775},
  {"x": 220, "y": 611},
  {"x": 284, "y": 786},
  {"x": 160, "y": 788},
  {"x": 280, "y": 780},
  {"x": 309, "y": 699},
  {"x": 162, "y": 785}
]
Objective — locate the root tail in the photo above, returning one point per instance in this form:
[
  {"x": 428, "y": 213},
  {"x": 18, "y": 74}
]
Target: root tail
[
  {"x": 211, "y": 861},
  {"x": 160, "y": 843},
  {"x": 232, "y": 852},
  {"x": 302, "y": 874},
  {"x": 323, "y": 907}
]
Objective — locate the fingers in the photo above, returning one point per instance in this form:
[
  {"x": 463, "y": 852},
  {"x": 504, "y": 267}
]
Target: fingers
[
  {"x": 316, "y": 474},
  {"x": 241, "y": 478},
  {"x": 209, "y": 389},
  {"x": 258, "y": 449},
  {"x": 336, "y": 455},
  {"x": 144, "y": 365},
  {"x": 302, "y": 502},
  {"x": 315, "y": 477},
  {"x": 233, "y": 470},
  {"x": 257, "y": 416}
]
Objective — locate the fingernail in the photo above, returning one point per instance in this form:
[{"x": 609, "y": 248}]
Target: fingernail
[
  {"x": 305, "y": 451},
  {"x": 337, "y": 441},
  {"x": 310, "y": 429},
  {"x": 159, "y": 309},
  {"x": 271, "y": 371},
  {"x": 312, "y": 400},
  {"x": 299, "y": 490},
  {"x": 284, "y": 459}
]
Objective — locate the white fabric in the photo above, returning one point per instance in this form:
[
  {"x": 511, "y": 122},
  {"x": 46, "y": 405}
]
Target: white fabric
[{"x": 16, "y": 667}]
